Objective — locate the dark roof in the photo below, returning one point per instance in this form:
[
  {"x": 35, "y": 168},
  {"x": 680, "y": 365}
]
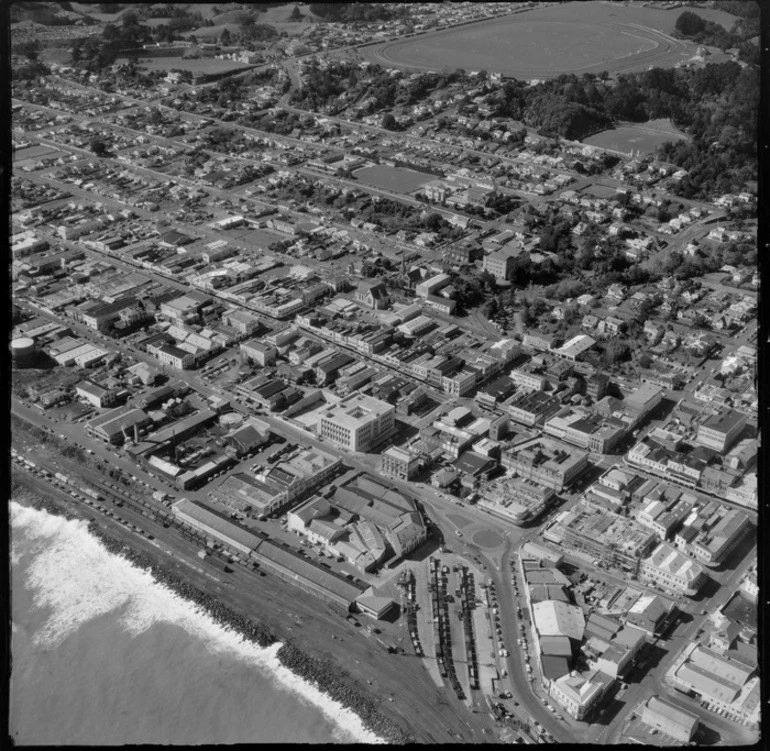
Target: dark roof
[{"x": 554, "y": 666}]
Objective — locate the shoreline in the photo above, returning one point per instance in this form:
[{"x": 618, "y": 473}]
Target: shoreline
[{"x": 324, "y": 674}]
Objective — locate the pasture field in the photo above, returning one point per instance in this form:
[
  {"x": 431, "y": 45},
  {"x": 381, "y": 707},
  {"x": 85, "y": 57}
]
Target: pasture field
[
  {"x": 545, "y": 42},
  {"x": 642, "y": 137},
  {"x": 396, "y": 179}
]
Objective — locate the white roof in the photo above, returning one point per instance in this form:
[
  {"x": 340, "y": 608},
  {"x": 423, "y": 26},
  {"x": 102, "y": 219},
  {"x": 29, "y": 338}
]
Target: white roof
[{"x": 555, "y": 618}]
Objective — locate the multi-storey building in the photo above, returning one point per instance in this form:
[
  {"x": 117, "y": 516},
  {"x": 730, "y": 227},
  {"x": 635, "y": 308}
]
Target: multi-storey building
[
  {"x": 400, "y": 463},
  {"x": 672, "y": 571},
  {"x": 358, "y": 422}
]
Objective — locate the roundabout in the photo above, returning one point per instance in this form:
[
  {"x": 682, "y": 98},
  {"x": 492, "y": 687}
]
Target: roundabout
[{"x": 487, "y": 539}]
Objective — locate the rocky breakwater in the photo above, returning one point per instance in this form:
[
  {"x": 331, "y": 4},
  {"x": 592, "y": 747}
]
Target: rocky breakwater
[
  {"x": 327, "y": 676},
  {"x": 340, "y": 686}
]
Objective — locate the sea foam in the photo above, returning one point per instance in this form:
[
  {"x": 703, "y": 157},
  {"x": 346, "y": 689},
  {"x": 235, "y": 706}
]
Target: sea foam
[{"x": 76, "y": 579}]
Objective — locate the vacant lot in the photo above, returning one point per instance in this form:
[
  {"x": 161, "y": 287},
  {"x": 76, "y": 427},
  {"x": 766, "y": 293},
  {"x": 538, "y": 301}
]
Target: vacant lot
[
  {"x": 545, "y": 42},
  {"x": 643, "y": 137},
  {"x": 393, "y": 178}
]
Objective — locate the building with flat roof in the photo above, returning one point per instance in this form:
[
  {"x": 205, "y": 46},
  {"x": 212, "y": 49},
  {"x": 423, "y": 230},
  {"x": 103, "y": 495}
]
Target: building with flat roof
[
  {"x": 575, "y": 347},
  {"x": 357, "y": 422},
  {"x": 711, "y": 532},
  {"x": 534, "y": 408},
  {"x": 432, "y": 285},
  {"x": 399, "y": 462},
  {"x": 721, "y": 431},
  {"x": 669, "y": 719},
  {"x": 96, "y": 395},
  {"x": 546, "y": 462}
]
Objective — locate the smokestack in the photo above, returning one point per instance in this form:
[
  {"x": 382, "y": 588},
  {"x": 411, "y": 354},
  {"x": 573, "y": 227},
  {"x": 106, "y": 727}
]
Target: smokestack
[{"x": 136, "y": 433}]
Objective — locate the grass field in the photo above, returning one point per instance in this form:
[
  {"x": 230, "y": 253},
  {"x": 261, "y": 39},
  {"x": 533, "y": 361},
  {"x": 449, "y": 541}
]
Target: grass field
[
  {"x": 572, "y": 37},
  {"x": 642, "y": 137},
  {"x": 393, "y": 178},
  {"x": 33, "y": 153},
  {"x": 205, "y": 65}
]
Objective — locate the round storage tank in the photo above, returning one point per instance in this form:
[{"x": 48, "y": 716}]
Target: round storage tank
[
  {"x": 23, "y": 350},
  {"x": 231, "y": 421}
]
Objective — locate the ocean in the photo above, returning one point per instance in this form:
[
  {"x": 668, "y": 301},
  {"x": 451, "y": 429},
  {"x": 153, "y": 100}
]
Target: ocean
[{"x": 103, "y": 655}]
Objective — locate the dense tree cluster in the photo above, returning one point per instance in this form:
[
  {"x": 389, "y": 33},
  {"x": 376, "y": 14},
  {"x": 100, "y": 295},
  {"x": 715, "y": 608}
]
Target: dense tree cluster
[
  {"x": 355, "y": 12},
  {"x": 691, "y": 26}
]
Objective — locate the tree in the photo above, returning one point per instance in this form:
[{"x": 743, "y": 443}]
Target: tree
[
  {"x": 98, "y": 147},
  {"x": 224, "y": 37},
  {"x": 389, "y": 122},
  {"x": 689, "y": 24},
  {"x": 296, "y": 14}
]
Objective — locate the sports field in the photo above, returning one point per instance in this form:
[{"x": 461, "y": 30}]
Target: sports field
[
  {"x": 642, "y": 137},
  {"x": 393, "y": 178},
  {"x": 572, "y": 37},
  {"x": 201, "y": 65}
]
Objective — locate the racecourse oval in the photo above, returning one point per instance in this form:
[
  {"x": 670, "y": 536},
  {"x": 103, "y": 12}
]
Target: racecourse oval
[{"x": 529, "y": 45}]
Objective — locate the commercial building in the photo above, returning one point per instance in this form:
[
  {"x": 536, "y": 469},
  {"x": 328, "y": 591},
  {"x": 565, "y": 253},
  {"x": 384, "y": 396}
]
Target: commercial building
[
  {"x": 724, "y": 684},
  {"x": 208, "y": 521},
  {"x": 392, "y": 512},
  {"x": 711, "y": 532},
  {"x": 669, "y": 719},
  {"x": 580, "y": 693},
  {"x": 432, "y": 285},
  {"x": 357, "y": 422},
  {"x": 96, "y": 395},
  {"x": 555, "y": 618},
  {"x": 534, "y": 408},
  {"x": 272, "y": 490},
  {"x": 576, "y": 347},
  {"x": 671, "y": 571},
  {"x": 261, "y": 353},
  {"x": 546, "y": 462},
  {"x": 176, "y": 357},
  {"x": 400, "y": 463},
  {"x": 115, "y": 425},
  {"x": 499, "y": 263},
  {"x": 720, "y": 431}
]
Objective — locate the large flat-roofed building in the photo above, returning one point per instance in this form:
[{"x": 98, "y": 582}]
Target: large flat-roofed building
[
  {"x": 586, "y": 429},
  {"x": 432, "y": 285},
  {"x": 721, "y": 431},
  {"x": 575, "y": 347},
  {"x": 546, "y": 462},
  {"x": 400, "y": 463},
  {"x": 711, "y": 533},
  {"x": 358, "y": 422},
  {"x": 395, "y": 514},
  {"x": 672, "y": 571},
  {"x": 272, "y": 490},
  {"x": 669, "y": 719},
  {"x": 534, "y": 408}
]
